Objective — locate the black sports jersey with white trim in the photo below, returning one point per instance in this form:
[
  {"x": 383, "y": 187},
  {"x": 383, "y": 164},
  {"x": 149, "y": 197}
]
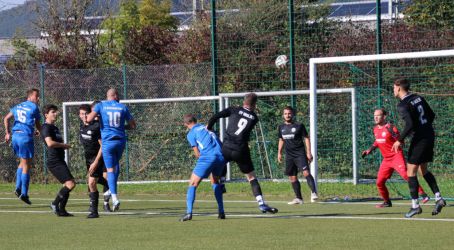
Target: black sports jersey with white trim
[
  {"x": 417, "y": 115},
  {"x": 53, "y": 154},
  {"x": 89, "y": 136},
  {"x": 241, "y": 121},
  {"x": 293, "y": 135}
]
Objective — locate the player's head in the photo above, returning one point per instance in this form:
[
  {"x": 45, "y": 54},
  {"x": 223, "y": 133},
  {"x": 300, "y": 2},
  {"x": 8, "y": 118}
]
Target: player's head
[
  {"x": 84, "y": 110},
  {"x": 189, "y": 120},
  {"x": 33, "y": 95},
  {"x": 401, "y": 87},
  {"x": 380, "y": 116},
  {"x": 288, "y": 114},
  {"x": 50, "y": 113},
  {"x": 250, "y": 101},
  {"x": 112, "y": 95}
]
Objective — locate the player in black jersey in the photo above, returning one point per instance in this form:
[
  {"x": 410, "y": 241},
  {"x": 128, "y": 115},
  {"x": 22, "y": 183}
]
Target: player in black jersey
[
  {"x": 418, "y": 118},
  {"x": 90, "y": 137},
  {"x": 297, "y": 157},
  {"x": 56, "y": 160},
  {"x": 235, "y": 145}
]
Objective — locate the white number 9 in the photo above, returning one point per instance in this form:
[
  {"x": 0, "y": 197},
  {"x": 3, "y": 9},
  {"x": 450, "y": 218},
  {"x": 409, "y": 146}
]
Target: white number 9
[{"x": 241, "y": 125}]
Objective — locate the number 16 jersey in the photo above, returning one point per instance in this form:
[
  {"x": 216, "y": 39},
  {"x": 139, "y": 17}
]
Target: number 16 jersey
[
  {"x": 240, "y": 124},
  {"x": 113, "y": 116}
]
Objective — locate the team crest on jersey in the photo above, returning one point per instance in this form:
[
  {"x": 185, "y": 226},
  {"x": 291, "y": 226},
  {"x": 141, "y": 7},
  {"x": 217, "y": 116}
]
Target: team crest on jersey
[
  {"x": 293, "y": 130},
  {"x": 383, "y": 134},
  {"x": 89, "y": 132}
]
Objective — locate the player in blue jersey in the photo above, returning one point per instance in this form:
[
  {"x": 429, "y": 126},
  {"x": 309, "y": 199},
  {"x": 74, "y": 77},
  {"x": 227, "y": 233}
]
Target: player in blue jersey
[
  {"x": 207, "y": 148},
  {"x": 112, "y": 116},
  {"x": 26, "y": 118}
]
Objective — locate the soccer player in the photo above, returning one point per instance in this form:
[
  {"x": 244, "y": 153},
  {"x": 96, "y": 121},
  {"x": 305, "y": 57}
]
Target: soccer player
[
  {"x": 26, "y": 117},
  {"x": 90, "y": 137},
  {"x": 56, "y": 160},
  {"x": 235, "y": 146},
  {"x": 418, "y": 118},
  {"x": 113, "y": 115},
  {"x": 297, "y": 157},
  {"x": 207, "y": 149},
  {"x": 385, "y": 135}
]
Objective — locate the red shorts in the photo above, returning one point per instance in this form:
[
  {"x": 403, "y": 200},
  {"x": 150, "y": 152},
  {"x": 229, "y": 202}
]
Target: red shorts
[{"x": 388, "y": 165}]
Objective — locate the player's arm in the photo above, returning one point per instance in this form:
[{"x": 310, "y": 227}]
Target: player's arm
[
  {"x": 38, "y": 127},
  {"x": 95, "y": 163},
  {"x": 196, "y": 152},
  {"x": 92, "y": 115},
  {"x": 280, "y": 145},
  {"x": 307, "y": 141},
  {"x": 7, "y": 128},
  {"x": 53, "y": 144},
  {"x": 224, "y": 113},
  {"x": 408, "y": 123},
  {"x": 369, "y": 150},
  {"x": 131, "y": 124}
]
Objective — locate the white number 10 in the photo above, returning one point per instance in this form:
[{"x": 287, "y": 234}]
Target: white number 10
[
  {"x": 114, "y": 119},
  {"x": 241, "y": 125}
]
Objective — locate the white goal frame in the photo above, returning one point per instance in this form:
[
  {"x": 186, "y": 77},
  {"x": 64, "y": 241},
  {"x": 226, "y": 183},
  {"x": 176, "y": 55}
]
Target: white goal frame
[{"x": 313, "y": 62}]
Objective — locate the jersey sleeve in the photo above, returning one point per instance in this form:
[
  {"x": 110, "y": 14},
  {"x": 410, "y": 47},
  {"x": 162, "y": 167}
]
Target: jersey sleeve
[
  {"x": 97, "y": 108},
  {"x": 128, "y": 115},
  {"x": 404, "y": 113},
  {"x": 191, "y": 139},
  {"x": 45, "y": 131},
  {"x": 224, "y": 113},
  {"x": 37, "y": 114},
  {"x": 279, "y": 133},
  {"x": 304, "y": 131}
]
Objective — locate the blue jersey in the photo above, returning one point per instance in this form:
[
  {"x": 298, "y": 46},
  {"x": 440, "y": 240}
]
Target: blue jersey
[
  {"x": 205, "y": 140},
  {"x": 113, "y": 116},
  {"x": 25, "y": 116}
]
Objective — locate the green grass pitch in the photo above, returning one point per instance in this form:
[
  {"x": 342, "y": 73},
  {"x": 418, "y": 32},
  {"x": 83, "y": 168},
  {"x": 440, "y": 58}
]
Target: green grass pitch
[{"x": 148, "y": 219}]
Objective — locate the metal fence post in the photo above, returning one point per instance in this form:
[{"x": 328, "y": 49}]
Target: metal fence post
[
  {"x": 291, "y": 27},
  {"x": 214, "y": 55},
  {"x": 42, "y": 103},
  {"x": 125, "y": 96},
  {"x": 379, "y": 51}
]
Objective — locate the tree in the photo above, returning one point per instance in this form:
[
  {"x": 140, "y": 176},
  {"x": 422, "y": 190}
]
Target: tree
[
  {"x": 436, "y": 14},
  {"x": 157, "y": 13},
  {"x": 24, "y": 56}
]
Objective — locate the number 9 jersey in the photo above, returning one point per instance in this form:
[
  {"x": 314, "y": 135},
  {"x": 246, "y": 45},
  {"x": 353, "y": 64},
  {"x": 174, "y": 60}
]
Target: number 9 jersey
[
  {"x": 113, "y": 116},
  {"x": 240, "y": 124},
  {"x": 25, "y": 116}
]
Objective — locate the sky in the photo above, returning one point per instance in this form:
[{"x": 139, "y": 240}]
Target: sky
[{"x": 8, "y": 4}]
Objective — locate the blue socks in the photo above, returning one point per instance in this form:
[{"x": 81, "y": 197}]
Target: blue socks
[
  {"x": 19, "y": 178},
  {"x": 218, "y": 194},
  {"x": 25, "y": 179},
  {"x": 190, "y": 198},
  {"x": 112, "y": 181}
]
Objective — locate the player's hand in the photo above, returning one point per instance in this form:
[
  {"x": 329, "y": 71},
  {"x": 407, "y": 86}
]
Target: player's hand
[
  {"x": 37, "y": 133},
  {"x": 364, "y": 153},
  {"x": 309, "y": 157},
  {"x": 92, "y": 168},
  {"x": 396, "y": 146},
  {"x": 7, "y": 137},
  {"x": 279, "y": 157},
  {"x": 66, "y": 146}
]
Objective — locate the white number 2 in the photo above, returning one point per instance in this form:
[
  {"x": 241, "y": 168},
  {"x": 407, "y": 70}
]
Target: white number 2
[
  {"x": 22, "y": 116},
  {"x": 241, "y": 125},
  {"x": 421, "y": 115},
  {"x": 114, "y": 119}
]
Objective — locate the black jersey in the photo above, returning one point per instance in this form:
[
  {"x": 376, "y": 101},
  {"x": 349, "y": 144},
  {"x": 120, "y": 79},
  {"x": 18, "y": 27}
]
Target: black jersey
[
  {"x": 293, "y": 135},
  {"x": 89, "y": 136},
  {"x": 417, "y": 116},
  {"x": 53, "y": 154},
  {"x": 241, "y": 121}
]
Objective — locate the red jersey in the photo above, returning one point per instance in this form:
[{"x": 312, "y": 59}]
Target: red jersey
[{"x": 385, "y": 136}]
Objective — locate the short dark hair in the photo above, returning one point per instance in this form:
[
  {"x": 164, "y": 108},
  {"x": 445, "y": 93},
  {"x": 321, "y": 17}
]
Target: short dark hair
[
  {"x": 85, "y": 107},
  {"x": 290, "y": 108},
  {"x": 31, "y": 91},
  {"x": 189, "y": 118},
  {"x": 403, "y": 83},
  {"x": 250, "y": 99},
  {"x": 49, "y": 107},
  {"x": 383, "y": 110}
]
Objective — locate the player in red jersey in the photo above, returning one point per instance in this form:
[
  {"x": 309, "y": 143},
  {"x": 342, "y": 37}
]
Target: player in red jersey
[{"x": 385, "y": 135}]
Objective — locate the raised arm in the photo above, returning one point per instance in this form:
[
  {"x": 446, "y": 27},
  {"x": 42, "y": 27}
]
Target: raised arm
[
  {"x": 7, "y": 128},
  {"x": 224, "y": 113},
  {"x": 91, "y": 116},
  {"x": 53, "y": 144}
]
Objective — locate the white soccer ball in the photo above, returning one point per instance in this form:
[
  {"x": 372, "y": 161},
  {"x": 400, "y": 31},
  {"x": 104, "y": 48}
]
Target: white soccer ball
[{"x": 281, "y": 61}]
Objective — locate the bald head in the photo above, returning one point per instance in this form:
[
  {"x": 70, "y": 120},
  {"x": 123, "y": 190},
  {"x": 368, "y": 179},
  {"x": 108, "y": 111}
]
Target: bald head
[{"x": 112, "y": 95}]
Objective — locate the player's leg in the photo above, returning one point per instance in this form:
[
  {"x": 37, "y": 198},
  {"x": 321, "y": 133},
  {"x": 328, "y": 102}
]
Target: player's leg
[
  {"x": 215, "y": 177},
  {"x": 63, "y": 175},
  {"x": 16, "y": 142},
  {"x": 413, "y": 185},
  {"x": 432, "y": 182},
  {"x": 303, "y": 166},
  {"x": 384, "y": 173},
  {"x": 197, "y": 175},
  {"x": 291, "y": 170},
  {"x": 106, "y": 191},
  {"x": 24, "y": 149},
  {"x": 400, "y": 166},
  {"x": 94, "y": 194},
  {"x": 111, "y": 150}
]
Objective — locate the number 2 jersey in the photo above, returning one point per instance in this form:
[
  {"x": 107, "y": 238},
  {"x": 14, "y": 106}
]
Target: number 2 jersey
[
  {"x": 25, "y": 116},
  {"x": 240, "y": 124},
  {"x": 417, "y": 116},
  {"x": 113, "y": 116}
]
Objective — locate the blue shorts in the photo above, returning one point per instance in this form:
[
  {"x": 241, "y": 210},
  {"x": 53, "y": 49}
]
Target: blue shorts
[
  {"x": 209, "y": 164},
  {"x": 112, "y": 151},
  {"x": 23, "y": 146}
]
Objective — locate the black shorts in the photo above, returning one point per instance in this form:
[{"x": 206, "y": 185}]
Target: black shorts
[
  {"x": 295, "y": 164},
  {"x": 101, "y": 167},
  {"x": 60, "y": 170},
  {"x": 242, "y": 158},
  {"x": 421, "y": 150}
]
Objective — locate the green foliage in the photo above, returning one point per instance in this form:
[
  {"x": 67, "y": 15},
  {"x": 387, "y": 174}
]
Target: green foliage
[
  {"x": 436, "y": 14},
  {"x": 24, "y": 56},
  {"x": 157, "y": 13}
]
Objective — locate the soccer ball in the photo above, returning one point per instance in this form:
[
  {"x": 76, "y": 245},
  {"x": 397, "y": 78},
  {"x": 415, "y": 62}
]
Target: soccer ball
[{"x": 281, "y": 61}]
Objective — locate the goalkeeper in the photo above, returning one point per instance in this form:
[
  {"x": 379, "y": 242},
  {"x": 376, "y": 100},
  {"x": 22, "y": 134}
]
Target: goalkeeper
[{"x": 385, "y": 135}]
